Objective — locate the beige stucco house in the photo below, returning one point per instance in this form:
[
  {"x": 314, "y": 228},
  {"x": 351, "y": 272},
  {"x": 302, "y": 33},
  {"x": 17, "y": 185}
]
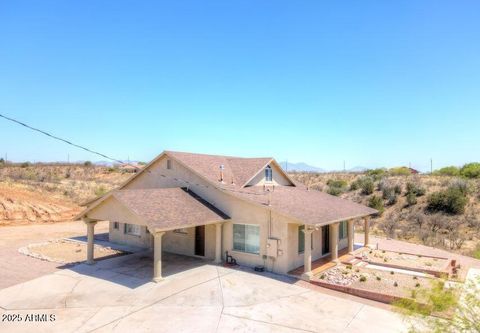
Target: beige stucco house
[{"x": 204, "y": 205}]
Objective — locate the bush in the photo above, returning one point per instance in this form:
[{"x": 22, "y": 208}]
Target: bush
[
  {"x": 415, "y": 189},
  {"x": 363, "y": 278},
  {"x": 390, "y": 195},
  {"x": 397, "y": 188},
  {"x": 450, "y": 201},
  {"x": 101, "y": 190},
  {"x": 376, "y": 173},
  {"x": 367, "y": 185},
  {"x": 376, "y": 203},
  {"x": 400, "y": 171},
  {"x": 354, "y": 186},
  {"x": 470, "y": 170},
  {"x": 87, "y": 163},
  {"x": 336, "y": 186},
  {"x": 25, "y": 165},
  {"x": 411, "y": 199},
  {"x": 448, "y": 171}
]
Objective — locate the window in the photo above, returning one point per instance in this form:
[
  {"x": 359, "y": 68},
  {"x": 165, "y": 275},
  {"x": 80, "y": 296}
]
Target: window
[
  {"x": 182, "y": 231},
  {"x": 246, "y": 238},
  {"x": 169, "y": 164},
  {"x": 342, "y": 230},
  {"x": 116, "y": 225},
  {"x": 268, "y": 173},
  {"x": 301, "y": 239},
  {"x": 132, "y": 229}
]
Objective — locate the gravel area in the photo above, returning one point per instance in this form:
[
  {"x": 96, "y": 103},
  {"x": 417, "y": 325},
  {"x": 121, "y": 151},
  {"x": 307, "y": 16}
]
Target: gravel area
[
  {"x": 396, "y": 284},
  {"x": 405, "y": 260}
]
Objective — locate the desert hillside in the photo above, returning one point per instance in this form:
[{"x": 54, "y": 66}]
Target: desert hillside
[
  {"x": 51, "y": 192},
  {"x": 438, "y": 210}
]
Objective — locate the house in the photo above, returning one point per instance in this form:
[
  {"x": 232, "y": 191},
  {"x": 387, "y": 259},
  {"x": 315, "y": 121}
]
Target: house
[{"x": 205, "y": 205}]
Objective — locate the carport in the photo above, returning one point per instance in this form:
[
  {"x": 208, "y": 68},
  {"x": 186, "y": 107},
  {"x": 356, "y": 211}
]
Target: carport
[{"x": 156, "y": 212}]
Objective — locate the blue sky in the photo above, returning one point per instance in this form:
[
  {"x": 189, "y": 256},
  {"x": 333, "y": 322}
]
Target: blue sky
[{"x": 375, "y": 83}]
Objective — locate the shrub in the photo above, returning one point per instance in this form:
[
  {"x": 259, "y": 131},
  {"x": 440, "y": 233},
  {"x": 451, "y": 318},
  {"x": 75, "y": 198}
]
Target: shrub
[
  {"x": 363, "y": 278},
  {"x": 395, "y": 284},
  {"x": 337, "y": 183},
  {"x": 101, "y": 190},
  {"x": 411, "y": 199},
  {"x": 87, "y": 163},
  {"x": 389, "y": 194},
  {"x": 378, "y": 278},
  {"x": 448, "y": 171},
  {"x": 367, "y": 186},
  {"x": 417, "y": 285},
  {"x": 376, "y": 173},
  {"x": 400, "y": 171},
  {"x": 25, "y": 165},
  {"x": 470, "y": 170},
  {"x": 322, "y": 276},
  {"x": 451, "y": 201},
  {"x": 397, "y": 188},
  {"x": 415, "y": 189},
  {"x": 376, "y": 203},
  {"x": 460, "y": 184},
  {"x": 392, "y": 272},
  {"x": 354, "y": 186}
]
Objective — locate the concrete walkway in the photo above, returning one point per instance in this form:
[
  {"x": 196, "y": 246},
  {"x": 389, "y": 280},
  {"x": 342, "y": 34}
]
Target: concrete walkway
[{"x": 116, "y": 295}]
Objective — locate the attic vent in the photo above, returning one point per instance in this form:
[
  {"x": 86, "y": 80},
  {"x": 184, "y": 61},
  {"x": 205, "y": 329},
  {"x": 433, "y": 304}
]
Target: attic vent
[{"x": 169, "y": 164}]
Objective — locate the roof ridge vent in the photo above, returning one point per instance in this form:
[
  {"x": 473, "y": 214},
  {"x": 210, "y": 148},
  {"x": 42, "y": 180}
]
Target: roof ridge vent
[{"x": 222, "y": 167}]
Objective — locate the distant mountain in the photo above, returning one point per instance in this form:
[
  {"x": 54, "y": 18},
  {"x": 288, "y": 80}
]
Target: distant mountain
[{"x": 303, "y": 167}]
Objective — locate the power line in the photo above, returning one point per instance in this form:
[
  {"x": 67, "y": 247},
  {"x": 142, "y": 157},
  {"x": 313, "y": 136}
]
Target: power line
[{"x": 114, "y": 159}]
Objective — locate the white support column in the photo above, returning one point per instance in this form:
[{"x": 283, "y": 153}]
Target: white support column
[
  {"x": 90, "y": 242},
  {"x": 367, "y": 231},
  {"x": 334, "y": 241},
  {"x": 157, "y": 256},
  {"x": 307, "y": 253},
  {"x": 351, "y": 235},
  {"x": 218, "y": 243}
]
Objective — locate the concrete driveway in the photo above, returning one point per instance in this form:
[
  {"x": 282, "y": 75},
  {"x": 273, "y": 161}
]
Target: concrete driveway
[{"x": 116, "y": 295}]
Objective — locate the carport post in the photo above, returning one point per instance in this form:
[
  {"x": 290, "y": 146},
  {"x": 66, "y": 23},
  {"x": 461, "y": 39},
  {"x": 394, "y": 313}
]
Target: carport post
[
  {"x": 218, "y": 243},
  {"x": 90, "y": 244},
  {"x": 307, "y": 253},
  {"x": 157, "y": 256},
  {"x": 350, "y": 234},
  {"x": 367, "y": 231}
]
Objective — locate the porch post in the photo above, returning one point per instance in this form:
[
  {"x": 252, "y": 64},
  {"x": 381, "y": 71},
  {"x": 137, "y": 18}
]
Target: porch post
[
  {"x": 351, "y": 235},
  {"x": 367, "y": 231},
  {"x": 307, "y": 253},
  {"x": 334, "y": 241},
  {"x": 157, "y": 256},
  {"x": 218, "y": 243},
  {"x": 90, "y": 243}
]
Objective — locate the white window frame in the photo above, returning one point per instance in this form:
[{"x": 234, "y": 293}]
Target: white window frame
[
  {"x": 244, "y": 250},
  {"x": 133, "y": 229},
  {"x": 268, "y": 174}
]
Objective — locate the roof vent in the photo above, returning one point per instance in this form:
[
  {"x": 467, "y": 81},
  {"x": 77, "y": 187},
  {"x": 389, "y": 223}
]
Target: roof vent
[{"x": 222, "y": 167}]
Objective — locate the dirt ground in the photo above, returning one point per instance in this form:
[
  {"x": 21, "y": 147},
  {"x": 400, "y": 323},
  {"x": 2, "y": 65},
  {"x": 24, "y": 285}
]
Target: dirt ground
[
  {"x": 16, "y": 267},
  {"x": 68, "y": 251}
]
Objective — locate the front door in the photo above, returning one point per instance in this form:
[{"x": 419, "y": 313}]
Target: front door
[
  {"x": 200, "y": 240},
  {"x": 325, "y": 239}
]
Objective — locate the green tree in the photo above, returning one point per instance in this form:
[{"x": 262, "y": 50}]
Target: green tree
[
  {"x": 448, "y": 171},
  {"x": 470, "y": 170},
  {"x": 450, "y": 201},
  {"x": 376, "y": 202},
  {"x": 367, "y": 186}
]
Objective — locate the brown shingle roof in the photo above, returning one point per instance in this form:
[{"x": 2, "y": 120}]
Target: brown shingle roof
[
  {"x": 309, "y": 207},
  {"x": 238, "y": 169},
  {"x": 169, "y": 208}
]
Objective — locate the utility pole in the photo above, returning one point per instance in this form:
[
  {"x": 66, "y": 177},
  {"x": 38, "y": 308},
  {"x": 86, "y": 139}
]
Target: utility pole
[
  {"x": 431, "y": 165},
  {"x": 344, "y": 169},
  {"x": 68, "y": 158}
]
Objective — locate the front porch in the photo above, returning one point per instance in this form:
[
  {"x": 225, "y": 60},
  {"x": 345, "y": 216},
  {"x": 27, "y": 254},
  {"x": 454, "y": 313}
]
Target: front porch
[{"x": 310, "y": 268}]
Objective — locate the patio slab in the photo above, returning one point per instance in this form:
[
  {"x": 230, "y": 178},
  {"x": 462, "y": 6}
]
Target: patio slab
[{"x": 117, "y": 295}]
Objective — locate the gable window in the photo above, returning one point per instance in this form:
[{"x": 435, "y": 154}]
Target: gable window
[
  {"x": 116, "y": 225},
  {"x": 301, "y": 239},
  {"x": 268, "y": 173},
  {"x": 246, "y": 238},
  {"x": 132, "y": 229},
  {"x": 169, "y": 164}
]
